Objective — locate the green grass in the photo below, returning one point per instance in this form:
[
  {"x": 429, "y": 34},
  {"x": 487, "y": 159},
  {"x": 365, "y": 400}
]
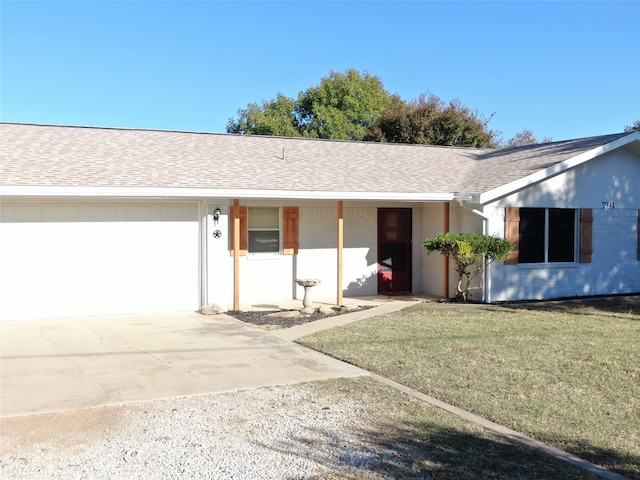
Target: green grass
[
  {"x": 424, "y": 442},
  {"x": 566, "y": 373}
]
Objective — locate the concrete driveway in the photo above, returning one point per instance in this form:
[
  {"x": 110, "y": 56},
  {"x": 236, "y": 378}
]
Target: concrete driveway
[{"x": 53, "y": 365}]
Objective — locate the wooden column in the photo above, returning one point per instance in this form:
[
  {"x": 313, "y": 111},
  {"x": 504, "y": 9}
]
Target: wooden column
[
  {"x": 236, "y": 255},
  {"x": 339, "y": 297},
  {"x": 445, "y": 292}
]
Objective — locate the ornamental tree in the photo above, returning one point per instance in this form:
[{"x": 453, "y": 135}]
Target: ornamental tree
[{"x": 471, "y": 253}]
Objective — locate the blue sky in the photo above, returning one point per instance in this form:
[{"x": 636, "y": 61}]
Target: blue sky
[{"x": 561, "y": 69}]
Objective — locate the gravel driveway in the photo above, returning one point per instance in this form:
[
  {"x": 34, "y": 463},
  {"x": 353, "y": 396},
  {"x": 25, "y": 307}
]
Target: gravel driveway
[{"x": 288, "y": 432}]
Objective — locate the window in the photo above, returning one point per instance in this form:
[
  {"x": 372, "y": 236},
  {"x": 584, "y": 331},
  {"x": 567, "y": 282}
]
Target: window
[
  {"x": 260, "y": 229},
  {"x": 264, "y": 229},
  {"x": 547, "y": 235}
]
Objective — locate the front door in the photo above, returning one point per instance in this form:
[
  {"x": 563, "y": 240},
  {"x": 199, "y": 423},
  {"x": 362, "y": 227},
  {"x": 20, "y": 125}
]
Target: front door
[{"x": 394, "y": 250}]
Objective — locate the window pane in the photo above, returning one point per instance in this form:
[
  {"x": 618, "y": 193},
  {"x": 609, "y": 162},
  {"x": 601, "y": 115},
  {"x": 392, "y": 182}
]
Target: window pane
[
  {"x": 562, "y": 223},
  {"x": 264, "y": 241},
  {"x": 263, "y": 218},
  {"x": 531, "y": 235}
]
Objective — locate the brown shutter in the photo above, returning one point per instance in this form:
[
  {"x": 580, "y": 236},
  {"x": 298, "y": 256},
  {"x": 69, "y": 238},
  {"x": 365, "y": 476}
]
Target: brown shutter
[
  {"x": 240, "y": 211},
  {"x": 512, "y": 233},
  {"x": 291, "y": 221},
  {"x": 586, "y": 227}
]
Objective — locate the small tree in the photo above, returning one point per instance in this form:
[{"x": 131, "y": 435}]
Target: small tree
[{"x": 471, "y": 252}]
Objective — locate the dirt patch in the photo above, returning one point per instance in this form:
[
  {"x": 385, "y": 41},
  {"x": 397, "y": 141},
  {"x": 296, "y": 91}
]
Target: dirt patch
[{"x": 66, "y": 429}]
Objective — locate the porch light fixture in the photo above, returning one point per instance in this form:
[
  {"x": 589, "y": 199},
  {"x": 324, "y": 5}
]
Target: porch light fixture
[{"x": 216, "y": 215}]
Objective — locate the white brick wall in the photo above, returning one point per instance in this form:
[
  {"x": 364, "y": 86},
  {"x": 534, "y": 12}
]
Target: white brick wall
[{"x": 614, "y": 267}]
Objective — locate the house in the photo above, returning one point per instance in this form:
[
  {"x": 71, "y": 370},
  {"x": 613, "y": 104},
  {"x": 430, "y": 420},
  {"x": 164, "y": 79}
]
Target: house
[{"x": 98, "y": 221}]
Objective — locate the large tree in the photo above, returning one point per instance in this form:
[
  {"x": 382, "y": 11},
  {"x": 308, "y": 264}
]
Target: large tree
[
  {"x": 274, "y": 117},
  {"x": 342, "y": 107},
  {"x": 355, "y": 106},
  {"x": 430, "y": 120}
]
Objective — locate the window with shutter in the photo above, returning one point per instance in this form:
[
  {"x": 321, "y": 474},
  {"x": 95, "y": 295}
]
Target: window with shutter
[{"x": 543, "y": 235}]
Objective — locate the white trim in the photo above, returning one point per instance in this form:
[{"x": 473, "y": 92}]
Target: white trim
[
  {"x": 504, "y": 190},
  {"x": 203, "y": 279},
  {"x": 191, "y": 193}
]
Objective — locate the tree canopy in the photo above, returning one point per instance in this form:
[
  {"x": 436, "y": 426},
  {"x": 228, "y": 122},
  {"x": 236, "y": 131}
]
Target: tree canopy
[
  {"x": 633, "y": 128},
  {"x": 525, "y": 137},
  {"x": 430, "y": 120},
  {"x": 341, "y": 107},
  {"x": 356, "y": 106}
]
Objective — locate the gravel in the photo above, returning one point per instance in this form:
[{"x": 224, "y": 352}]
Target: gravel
[
  {"x": 287, "y": 432},
  {"x": 266, "y": 317}
]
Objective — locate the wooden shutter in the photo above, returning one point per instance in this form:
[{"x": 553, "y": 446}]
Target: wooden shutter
[
  {"x": 290, "y": 230},
  {"x": 239, "y": 211},
  {"x": 586, "y": 226},
  {"x": 512, "y": 233}
]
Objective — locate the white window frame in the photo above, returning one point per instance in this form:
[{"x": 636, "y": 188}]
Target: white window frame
[{"x": 267, "y": 228}]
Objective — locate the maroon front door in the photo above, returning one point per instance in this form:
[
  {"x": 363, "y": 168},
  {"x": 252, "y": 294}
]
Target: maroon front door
[{"x": 394, "y": 250}]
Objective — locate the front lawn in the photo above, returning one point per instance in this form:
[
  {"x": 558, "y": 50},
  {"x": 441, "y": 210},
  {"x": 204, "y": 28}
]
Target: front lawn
[{"x": 566, "y": 373}]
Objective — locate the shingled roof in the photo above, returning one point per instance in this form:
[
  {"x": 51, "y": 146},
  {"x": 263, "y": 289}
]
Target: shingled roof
[{"x": 129, "y": 159}]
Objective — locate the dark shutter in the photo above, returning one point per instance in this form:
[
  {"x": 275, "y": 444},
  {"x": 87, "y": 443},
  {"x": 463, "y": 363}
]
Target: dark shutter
[
  {"x": 512, "y": 233},
  {"x": 586, "y": 227},
  {"x": 290, "y": 234}
]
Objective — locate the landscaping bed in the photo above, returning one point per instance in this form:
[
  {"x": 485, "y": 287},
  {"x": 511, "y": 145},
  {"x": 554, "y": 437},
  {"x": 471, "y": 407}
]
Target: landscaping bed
[{"x": 288, "y": 318}]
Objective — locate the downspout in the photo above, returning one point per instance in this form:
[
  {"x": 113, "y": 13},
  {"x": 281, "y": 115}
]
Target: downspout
[{"x": 486, "y": 278}]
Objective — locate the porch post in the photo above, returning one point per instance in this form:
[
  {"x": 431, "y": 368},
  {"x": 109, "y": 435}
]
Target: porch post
[
  {"x": 339, "y": 297},
  {"x": 446, "y": 259},
  {"x": 236, "y": 255}
]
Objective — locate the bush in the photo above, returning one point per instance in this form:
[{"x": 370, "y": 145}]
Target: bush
[{"x": 471, "y": 252}]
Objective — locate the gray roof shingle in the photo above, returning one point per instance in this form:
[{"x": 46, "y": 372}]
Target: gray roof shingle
[{"x": 45, "y": 155}]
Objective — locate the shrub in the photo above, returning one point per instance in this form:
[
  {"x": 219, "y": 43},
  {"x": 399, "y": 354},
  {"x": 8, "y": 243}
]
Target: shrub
[{"x": 471, "y": 252}]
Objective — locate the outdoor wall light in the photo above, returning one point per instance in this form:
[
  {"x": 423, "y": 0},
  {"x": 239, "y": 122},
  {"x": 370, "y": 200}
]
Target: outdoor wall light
[{"x": 216, "y": 215}]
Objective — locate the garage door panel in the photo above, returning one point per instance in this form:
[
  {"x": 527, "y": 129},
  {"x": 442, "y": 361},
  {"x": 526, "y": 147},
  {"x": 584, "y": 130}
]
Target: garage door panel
[{"x": 112, "y": 259}]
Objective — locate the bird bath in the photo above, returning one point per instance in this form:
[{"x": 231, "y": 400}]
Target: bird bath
[{"x": 307, "y": 283}]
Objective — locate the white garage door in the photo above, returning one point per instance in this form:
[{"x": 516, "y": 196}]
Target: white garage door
[{"x": 60, "y": 260}]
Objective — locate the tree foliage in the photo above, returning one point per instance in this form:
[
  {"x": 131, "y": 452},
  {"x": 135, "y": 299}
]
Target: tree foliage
[
  {"x": 471, "y": 252},
  {"x": 341, "y": 107},
  {"x": 355, "y": 106},
  {"x": 525, "y": 137},
  {"x": 274, "y": 117},
  {"x": 633, "y": 128},
  {"x": 430, "y": 120}
]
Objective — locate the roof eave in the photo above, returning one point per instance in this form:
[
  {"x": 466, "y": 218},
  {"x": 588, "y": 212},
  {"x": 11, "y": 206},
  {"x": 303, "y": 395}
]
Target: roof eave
[
  {"x": 202, "y": 193},
  {"x": 556, "y": 169}
]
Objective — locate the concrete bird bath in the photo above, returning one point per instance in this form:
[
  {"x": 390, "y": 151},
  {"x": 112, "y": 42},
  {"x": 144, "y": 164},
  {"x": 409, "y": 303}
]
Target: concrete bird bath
[{"x": 307, "y": 283}]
